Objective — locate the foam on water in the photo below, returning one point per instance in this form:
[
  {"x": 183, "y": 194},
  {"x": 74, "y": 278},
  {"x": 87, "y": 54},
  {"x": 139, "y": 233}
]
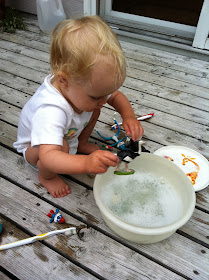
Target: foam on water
[{"x": 143, "y": 199}]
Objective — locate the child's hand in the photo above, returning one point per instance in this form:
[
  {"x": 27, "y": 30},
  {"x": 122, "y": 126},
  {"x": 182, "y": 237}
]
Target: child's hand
[
  {"x": 133, "y": 128},
  {"x": 99, "y": 161}
]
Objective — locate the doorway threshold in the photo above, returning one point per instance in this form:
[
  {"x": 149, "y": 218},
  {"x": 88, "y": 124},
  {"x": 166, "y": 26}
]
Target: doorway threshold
[{"x": 181, "y": 47}]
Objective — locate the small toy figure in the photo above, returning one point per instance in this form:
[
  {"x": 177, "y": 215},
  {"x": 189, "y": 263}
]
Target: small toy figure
[
  {"x": 127, "y": 155},
  {"x": 56, "y": 217}
]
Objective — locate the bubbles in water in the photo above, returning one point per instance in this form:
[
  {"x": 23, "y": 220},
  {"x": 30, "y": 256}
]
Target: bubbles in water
[{"x": 143, "y": 199}]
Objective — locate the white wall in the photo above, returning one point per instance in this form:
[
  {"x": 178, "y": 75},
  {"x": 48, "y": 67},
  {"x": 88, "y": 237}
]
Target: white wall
[{"x": 73, "y": 8}]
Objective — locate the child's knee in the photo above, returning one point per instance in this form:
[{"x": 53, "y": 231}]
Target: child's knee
[{"x": 32, "y": 155}]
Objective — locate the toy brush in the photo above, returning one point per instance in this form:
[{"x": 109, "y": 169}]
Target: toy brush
[{"x": 66, "y": 231}]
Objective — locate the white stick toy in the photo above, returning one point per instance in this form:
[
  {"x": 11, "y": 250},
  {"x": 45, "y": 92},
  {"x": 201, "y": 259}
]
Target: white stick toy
[
  {"x": 139, "y": 119},
  {"x": 66, "y": 231}
]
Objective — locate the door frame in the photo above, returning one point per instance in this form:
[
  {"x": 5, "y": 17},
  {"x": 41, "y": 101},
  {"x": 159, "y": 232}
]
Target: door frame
[
  {"x": 148, "y": 23},
  {"x": 199, "y": 35},
  {"x": 89, "y": 7},
  {"x": 201, "y": 38}
]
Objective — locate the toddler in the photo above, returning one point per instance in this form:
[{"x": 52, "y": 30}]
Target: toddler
[{"x": 88, "y": 67}]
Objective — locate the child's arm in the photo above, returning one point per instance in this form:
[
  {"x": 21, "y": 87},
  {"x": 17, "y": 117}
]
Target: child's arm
[
  {"x": 59, "y": 162},
  {"x": 121, "y": 104}
]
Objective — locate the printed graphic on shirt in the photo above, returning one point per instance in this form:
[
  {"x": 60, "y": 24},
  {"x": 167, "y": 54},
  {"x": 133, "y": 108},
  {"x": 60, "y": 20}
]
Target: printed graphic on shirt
[{"x": 71, "y": 133}]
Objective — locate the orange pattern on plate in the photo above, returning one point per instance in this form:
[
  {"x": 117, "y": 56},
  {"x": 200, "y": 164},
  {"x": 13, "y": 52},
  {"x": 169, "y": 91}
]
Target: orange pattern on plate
[{"x": 192, "y": 175}]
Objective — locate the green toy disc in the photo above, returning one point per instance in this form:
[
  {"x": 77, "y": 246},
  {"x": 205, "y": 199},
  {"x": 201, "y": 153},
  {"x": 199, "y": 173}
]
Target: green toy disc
[{"x": 124, "y": 172}]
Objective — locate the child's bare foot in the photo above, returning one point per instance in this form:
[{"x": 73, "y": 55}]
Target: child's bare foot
[
  {"x": 87, "y": 148},
  {"x": 56, "y": 186}
]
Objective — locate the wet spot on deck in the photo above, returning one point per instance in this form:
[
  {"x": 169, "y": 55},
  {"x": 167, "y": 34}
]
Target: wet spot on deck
[
  {"x": 200, "y": 198},
  {"x": 175, "y": 92},
  {"x": 90, "y": 219},
  {"x": 38, "y": 186},
  {"x": 76, "y": 271},
  {"x": 38, "y": 250},
  {"x": 71, "y": 251},
  {"x": 21, "y": 162},
  {"x": 91, "y": 176},
  {"x": 86, "y": 193}
]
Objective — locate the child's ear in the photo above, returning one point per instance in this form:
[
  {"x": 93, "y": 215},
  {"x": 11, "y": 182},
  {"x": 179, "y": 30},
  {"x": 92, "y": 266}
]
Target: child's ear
[{"x": 62, "y": 79}]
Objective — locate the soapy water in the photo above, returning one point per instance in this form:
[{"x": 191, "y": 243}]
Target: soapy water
[{"x": 143, "y": 199}]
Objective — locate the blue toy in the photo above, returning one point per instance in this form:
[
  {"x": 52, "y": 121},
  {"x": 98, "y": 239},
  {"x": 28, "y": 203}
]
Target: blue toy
[{"x": 118, "y": 143}]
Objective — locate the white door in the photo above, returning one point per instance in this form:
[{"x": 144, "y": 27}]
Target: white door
[
  {"x": 192, "y": 35},
  {"x": 201, "y": 38}
]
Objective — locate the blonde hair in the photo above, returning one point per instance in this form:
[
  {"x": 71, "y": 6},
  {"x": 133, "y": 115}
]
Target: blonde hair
[{"x": 78, "y": 44}]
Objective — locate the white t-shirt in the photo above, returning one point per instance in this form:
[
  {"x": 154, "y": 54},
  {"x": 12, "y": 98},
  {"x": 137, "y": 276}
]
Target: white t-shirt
[{"x": 47, "y": 118}]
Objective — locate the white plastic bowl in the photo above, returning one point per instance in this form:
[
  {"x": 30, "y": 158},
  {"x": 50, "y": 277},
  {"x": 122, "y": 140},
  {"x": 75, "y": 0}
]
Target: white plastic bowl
[{"x": 163, "y": 168}]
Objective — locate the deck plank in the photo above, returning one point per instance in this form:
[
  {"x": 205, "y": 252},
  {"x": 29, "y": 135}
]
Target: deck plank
[
  {"x": 170, "y": 73},
  {"x": 179, "y": 245},
  {"x": 36, "y": 261},
  {"x": 168, "y": 82},
  {"x": 162, "y": 58},
  {"x": 28, "y": 41},
  {"x": 166, "y": 93},
  {"x": 176, "y": 89},
  {"x": 10, "y": 114},
  {"x": 8, "y": 136},
  {"x": 12, "y": 96},
  {"x": 92, "y": 249},
  {"x": 22, "y": 71},
  {"x": 13, "y": 81},
  {"x": 153, "y": 73},
  {"x": 4, "y": 276},
  {"x": 138, "y": 74},
  {"x": 23, "y": 60},
  {"x": 166, "y": 59}
]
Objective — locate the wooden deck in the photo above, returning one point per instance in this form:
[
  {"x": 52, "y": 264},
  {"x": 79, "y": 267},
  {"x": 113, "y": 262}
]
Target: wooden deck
[{"x": 176, "y": 89}]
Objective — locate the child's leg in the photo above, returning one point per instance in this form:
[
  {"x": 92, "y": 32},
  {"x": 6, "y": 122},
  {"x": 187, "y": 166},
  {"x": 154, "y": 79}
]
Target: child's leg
[
  {"x": 84, "y": 146},
  {"x": 51, "y": 181}
]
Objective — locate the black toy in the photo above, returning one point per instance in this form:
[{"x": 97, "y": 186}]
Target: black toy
[{"x": 127, "y": 155}]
